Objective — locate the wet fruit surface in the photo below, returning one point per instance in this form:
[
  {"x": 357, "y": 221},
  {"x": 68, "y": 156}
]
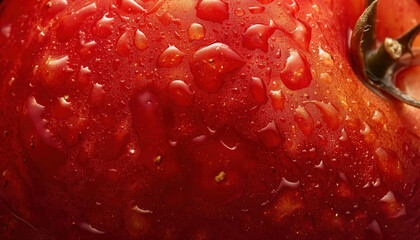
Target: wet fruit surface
[{"x": 204, "y": 119}]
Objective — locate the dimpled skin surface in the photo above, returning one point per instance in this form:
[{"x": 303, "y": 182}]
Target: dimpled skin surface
[{"x": 200, "y": 119}]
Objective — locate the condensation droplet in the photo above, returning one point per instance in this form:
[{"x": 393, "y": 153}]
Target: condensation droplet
[
  {"x": 196, "y": 31},
  {"x": 171, "y": 57},
  {"x": 296, "y": 74}
]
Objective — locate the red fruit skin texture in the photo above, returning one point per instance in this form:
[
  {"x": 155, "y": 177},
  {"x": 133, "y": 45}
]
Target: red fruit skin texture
[{"x": 119, "y": 120}]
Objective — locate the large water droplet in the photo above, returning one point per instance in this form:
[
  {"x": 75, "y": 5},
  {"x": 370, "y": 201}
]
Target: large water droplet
[
  {"x": 103, "y": 27},
  {"x": 38, "y": 141},
  {"x": 70, "y": 24},
  {"x": 270, "y": 136},
  {"x": 213, "y": 10},
  {"x": 258, "y": 90},
  {"x": 330, "y": 114},
  {"x": 55, "y": 72},
  {"x": 196, "y": 31},
  {"x": 140, "y": 40},
  {"x": 304, "y": 121},
  {"x": 171, "y": 57},
  {"x": 277, "y": 99},
  {"x": 391, "y": 206},
  {"x": 256, "y": 36},
  {"x": 180, "y": 93},
  {"x": 389, "y": 164},
  {"x": 166, "y": 18},
  {"x": 211, "y": 64},
  {"x": 123, "y": 45},
  {"x": 296, "y": 75}
]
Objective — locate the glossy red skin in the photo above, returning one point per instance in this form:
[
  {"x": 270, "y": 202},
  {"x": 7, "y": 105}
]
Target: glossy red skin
[{"x": 253, "y": 155}]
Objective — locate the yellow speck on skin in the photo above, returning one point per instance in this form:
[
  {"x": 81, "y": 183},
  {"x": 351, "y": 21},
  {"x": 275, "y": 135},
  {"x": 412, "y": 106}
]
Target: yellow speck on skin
[
  {"x": 220, "y": 177},
  {"x": 158, "y": 159}
]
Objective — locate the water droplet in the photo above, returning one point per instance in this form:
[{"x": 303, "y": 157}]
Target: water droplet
[
  {"x": 140, "y": 40},
  {"x": 378, "y": 118},
  {"x": 389, "y": 164},
  {"x": 56, "y": 6},
  {"x": 84, "y": 75},
  {"x": 325, "y": 78},
  {"x": 258, "y": 90},
  {"x": 296, "y": 74},
  {"x": 269, "y": 136},
  {"x": 292, "y": 7},
  {"x": 171, "y": 57},
  {"x": 55, "y": 72},
  {"x": 344, "y": 137},
  {"x": 5, "y": 32},
  {"x": 180, "y": 93},
  {"x": 166, "y": 19},
  {"x": 211, "y": 64},
  {"x": 265, "y": 1},
  {"x": 196, "y": 31},
  {"x": 301, "y": 35},
  {"x": 239, "y": 12},
  {"x": 38, "y": 141},
  {"x": 213, "y": 10},
  {"x": 304, "y": 121},
  {"x": 103, "y": 27},
  {"x": 277, "y": 99},
  {"x": 97, "y": 95},
  {"x": 131, "y": 6},
  {"x": 391, "y": 206},
  {"x": 368, "y": 133},
  {"x": 256, "y": 10},
  {"x": 325, "y": 57},
  {"x": 123, "y": 45},
  {"x": 70, "y": 24},
  {"x": 256, "y": 36},
  {"x": 330, "y": 114},
  {"x": 89, "y": 228},
  {"x": 87, "y": 49}
]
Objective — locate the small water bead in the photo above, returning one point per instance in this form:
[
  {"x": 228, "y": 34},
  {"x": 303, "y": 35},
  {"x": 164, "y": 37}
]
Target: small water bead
[
  {"x": 239, "y": 12},
  {"x": 131, "y": 6},
  {"x": 277, "y": 99},
  {"x": 180, "y": 93},
  {"x": 124, "y": 42},
  {"x": 70, "y": 24},
  {"x": 256, "y": 10},
  {"x": 258, "y": 90},
  {"x": 171, "y": 57},
  {"x": 97, "y": 95},
  {"x": 296, "y": 74},
  {"x": 87, "y": 49},
  {"x": 304, "y": 121},
  {"x": 213, "y": 10},
  {"x": 140, "y": 40},
  {"x": 325, "y": 57},
  {"x": 330, "y": 114},
  {"x": 103, "y": 27},
  {"x": 6, "y": 31},
  {"x": 257, "y": 35},
  {"x": 211, "y": 64},
  {"x": 196, "y": 31}
]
